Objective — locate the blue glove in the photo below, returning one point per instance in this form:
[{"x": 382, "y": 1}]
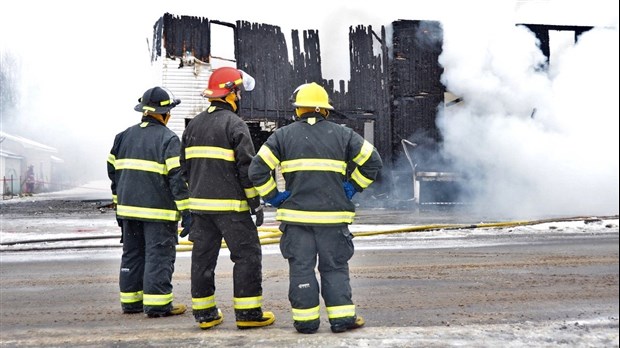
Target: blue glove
[
  {"x": 349, "y": 189},
  {"x": 186, "y": 223},
  {"x": 279, "y": 198}
]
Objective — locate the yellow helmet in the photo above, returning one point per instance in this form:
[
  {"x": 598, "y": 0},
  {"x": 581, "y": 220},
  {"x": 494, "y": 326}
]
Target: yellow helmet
[{"x": 311, "y": 95}]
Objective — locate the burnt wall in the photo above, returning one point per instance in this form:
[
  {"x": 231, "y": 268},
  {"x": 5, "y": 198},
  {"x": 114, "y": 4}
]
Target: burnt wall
[
  {"x": 182, "y": 34},
  {"x": 416, "y": 90},
  {"x": 542, "y": 33}
]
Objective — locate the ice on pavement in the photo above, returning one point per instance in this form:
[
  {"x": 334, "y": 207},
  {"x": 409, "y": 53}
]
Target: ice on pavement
[{"x": 582, "y": 332}]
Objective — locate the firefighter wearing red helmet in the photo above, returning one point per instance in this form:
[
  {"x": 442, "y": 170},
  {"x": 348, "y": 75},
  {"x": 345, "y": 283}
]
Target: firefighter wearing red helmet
[
  {"x": 151, "y": 195},
  {"x": 217, "y": 150},
  {"x": 315, "y": 209}
]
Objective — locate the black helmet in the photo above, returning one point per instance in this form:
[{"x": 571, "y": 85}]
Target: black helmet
[{"x": 157, "y": 100}]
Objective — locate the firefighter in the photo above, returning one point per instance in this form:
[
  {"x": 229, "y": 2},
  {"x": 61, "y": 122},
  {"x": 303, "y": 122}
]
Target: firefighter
[
  {"x": 216, "y": 153},
  {"x": 150, "y": 194},
  {"x": 315, "y": 209}
]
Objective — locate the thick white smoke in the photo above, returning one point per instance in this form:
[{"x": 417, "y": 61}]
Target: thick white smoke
[{"x": 534, "y": 140}]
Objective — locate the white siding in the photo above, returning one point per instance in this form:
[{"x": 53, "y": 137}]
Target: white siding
[{"x": 187, "y": 84}]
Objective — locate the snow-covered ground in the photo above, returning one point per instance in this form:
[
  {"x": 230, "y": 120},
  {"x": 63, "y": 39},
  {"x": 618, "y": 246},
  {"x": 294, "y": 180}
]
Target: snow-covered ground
[{"x": 582, "y": 332}]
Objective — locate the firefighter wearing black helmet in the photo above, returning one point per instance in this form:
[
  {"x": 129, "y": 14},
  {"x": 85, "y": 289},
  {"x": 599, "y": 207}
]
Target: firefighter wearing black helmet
[
  {"x": 151, "y": 195},
  {"x": 315, "y": 210},
  {"x": 216, "y": 152}
]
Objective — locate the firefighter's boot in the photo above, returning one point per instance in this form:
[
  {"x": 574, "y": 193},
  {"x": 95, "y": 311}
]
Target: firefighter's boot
[
  {"x": 344, "y": 325},
  {"x": 207, "y": 323},
  {"x": 175, "y": 310},
  {"x": 248, "y": 319}
]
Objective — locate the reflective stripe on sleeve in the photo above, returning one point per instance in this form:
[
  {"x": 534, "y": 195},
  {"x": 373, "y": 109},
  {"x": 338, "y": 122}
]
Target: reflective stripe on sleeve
[
  {"x": 266, "y": 188},
  {"x": 360, "y": 179},
  {"x": 268, "y": 157},
  {"x": 364, "y": 154},
  {"x": 173, "y": 162},
  {"x": 250, "y": 192}
]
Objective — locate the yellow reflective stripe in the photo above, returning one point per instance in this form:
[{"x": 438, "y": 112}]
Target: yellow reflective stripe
[
  {"x": 361, "y": 180},
  {"x": 269, "y": 186},
  {"x": 114, "y": 199},
  {"x": 247, "y": 302},
  {"x": 182, "y": 204},
  {"x": 111, "y": 159},
  {"x": 340, "y": 311},
  {"x": 213, "y": 152},
  {"x": 173, "y": 162},
  {"x": 218, "y": 204},
  {"x": 237, "y": 82},
  {"x": 316, "y": 217},
  {"x": 138, "y": 164},
  {"x": 250, "y": 192},
  {"x": 147, "y": 213},
  {"x": 265, "y": 153},
  {"x": 203, "y": 302},
  {"x": 364, "y": 154},
  {"x": 306, "y": 314},
  {"x": 131, "y": 297},
  {"x": 157, "y": 300},
  {"x": 317, "y": 164}
]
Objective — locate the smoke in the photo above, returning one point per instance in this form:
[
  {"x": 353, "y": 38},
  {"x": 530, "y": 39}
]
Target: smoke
[
  {"x": 83, "y": 70},
  {"x": 532, "y": 139}
]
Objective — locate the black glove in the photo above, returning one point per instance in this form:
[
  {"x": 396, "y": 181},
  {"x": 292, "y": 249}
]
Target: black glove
[
  {"x": 257, "y": 210},
  {"x": 119, "y": 222},
  {"x": 186, "y": 223}
]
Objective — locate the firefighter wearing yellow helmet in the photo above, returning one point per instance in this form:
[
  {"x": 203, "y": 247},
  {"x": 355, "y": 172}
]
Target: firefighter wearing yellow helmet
[
  {"x": 316, "y": 208},
  {"x": 216, "y": 153}
]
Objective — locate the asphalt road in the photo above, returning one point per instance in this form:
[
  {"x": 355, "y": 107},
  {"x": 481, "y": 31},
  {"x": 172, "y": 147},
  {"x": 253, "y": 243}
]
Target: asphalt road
[{"x": 556, "y": 288}]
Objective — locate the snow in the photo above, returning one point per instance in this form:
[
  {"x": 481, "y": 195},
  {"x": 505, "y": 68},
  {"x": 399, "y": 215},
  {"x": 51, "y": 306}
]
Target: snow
[{"x": 582, "y": 332}]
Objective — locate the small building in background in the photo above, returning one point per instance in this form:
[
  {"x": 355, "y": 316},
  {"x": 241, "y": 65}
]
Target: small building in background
[{"x": 16, "y": 155}]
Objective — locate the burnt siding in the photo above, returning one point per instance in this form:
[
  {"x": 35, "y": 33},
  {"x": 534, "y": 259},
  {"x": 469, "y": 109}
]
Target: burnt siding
[
  {"x": 416, "y": 89},
  {"x": 183, "y": 34},
  {"x": 367, "y": 95},
  {"x": 261, "y": 51}
]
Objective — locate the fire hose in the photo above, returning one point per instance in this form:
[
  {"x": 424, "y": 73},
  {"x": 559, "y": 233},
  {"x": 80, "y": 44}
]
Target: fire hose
[{"x": 271, "y": 235}]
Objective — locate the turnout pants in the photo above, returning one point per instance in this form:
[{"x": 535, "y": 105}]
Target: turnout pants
[
  {"x": 147, "y": 264},
  {"x": 241, "y": 237},
  {"x": 333, "y": 245}
]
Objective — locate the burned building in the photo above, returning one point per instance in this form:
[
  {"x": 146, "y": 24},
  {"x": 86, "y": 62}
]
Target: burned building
[{"x": 392, "y": 96}]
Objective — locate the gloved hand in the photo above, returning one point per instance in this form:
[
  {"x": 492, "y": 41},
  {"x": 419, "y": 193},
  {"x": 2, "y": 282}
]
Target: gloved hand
[
  {"x": 257, "y": 210},
  {"x": 119, "y": 222},
  {"x": 349, "y": 189},
  {"x": 279, "y": 198},
  {"x": 186, "y": 223}
]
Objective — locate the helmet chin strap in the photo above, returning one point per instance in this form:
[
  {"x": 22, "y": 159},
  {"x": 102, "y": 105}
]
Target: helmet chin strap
[
  {"x": 231, "y": 99},
  {"x": 303, "y": 110},
  {"x": 163, "y": 118}
]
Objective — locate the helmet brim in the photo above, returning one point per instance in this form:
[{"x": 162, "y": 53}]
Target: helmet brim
[{"x": 141, "y": 107}]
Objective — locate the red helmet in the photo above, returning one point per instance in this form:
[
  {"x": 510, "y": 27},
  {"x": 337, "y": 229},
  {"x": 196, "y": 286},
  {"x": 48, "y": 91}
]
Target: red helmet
[{"x": 226, "y": 80}]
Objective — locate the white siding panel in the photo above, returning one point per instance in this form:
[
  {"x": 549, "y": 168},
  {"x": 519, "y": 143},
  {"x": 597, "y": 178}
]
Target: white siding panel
[{"x": 187, "y": 84}]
